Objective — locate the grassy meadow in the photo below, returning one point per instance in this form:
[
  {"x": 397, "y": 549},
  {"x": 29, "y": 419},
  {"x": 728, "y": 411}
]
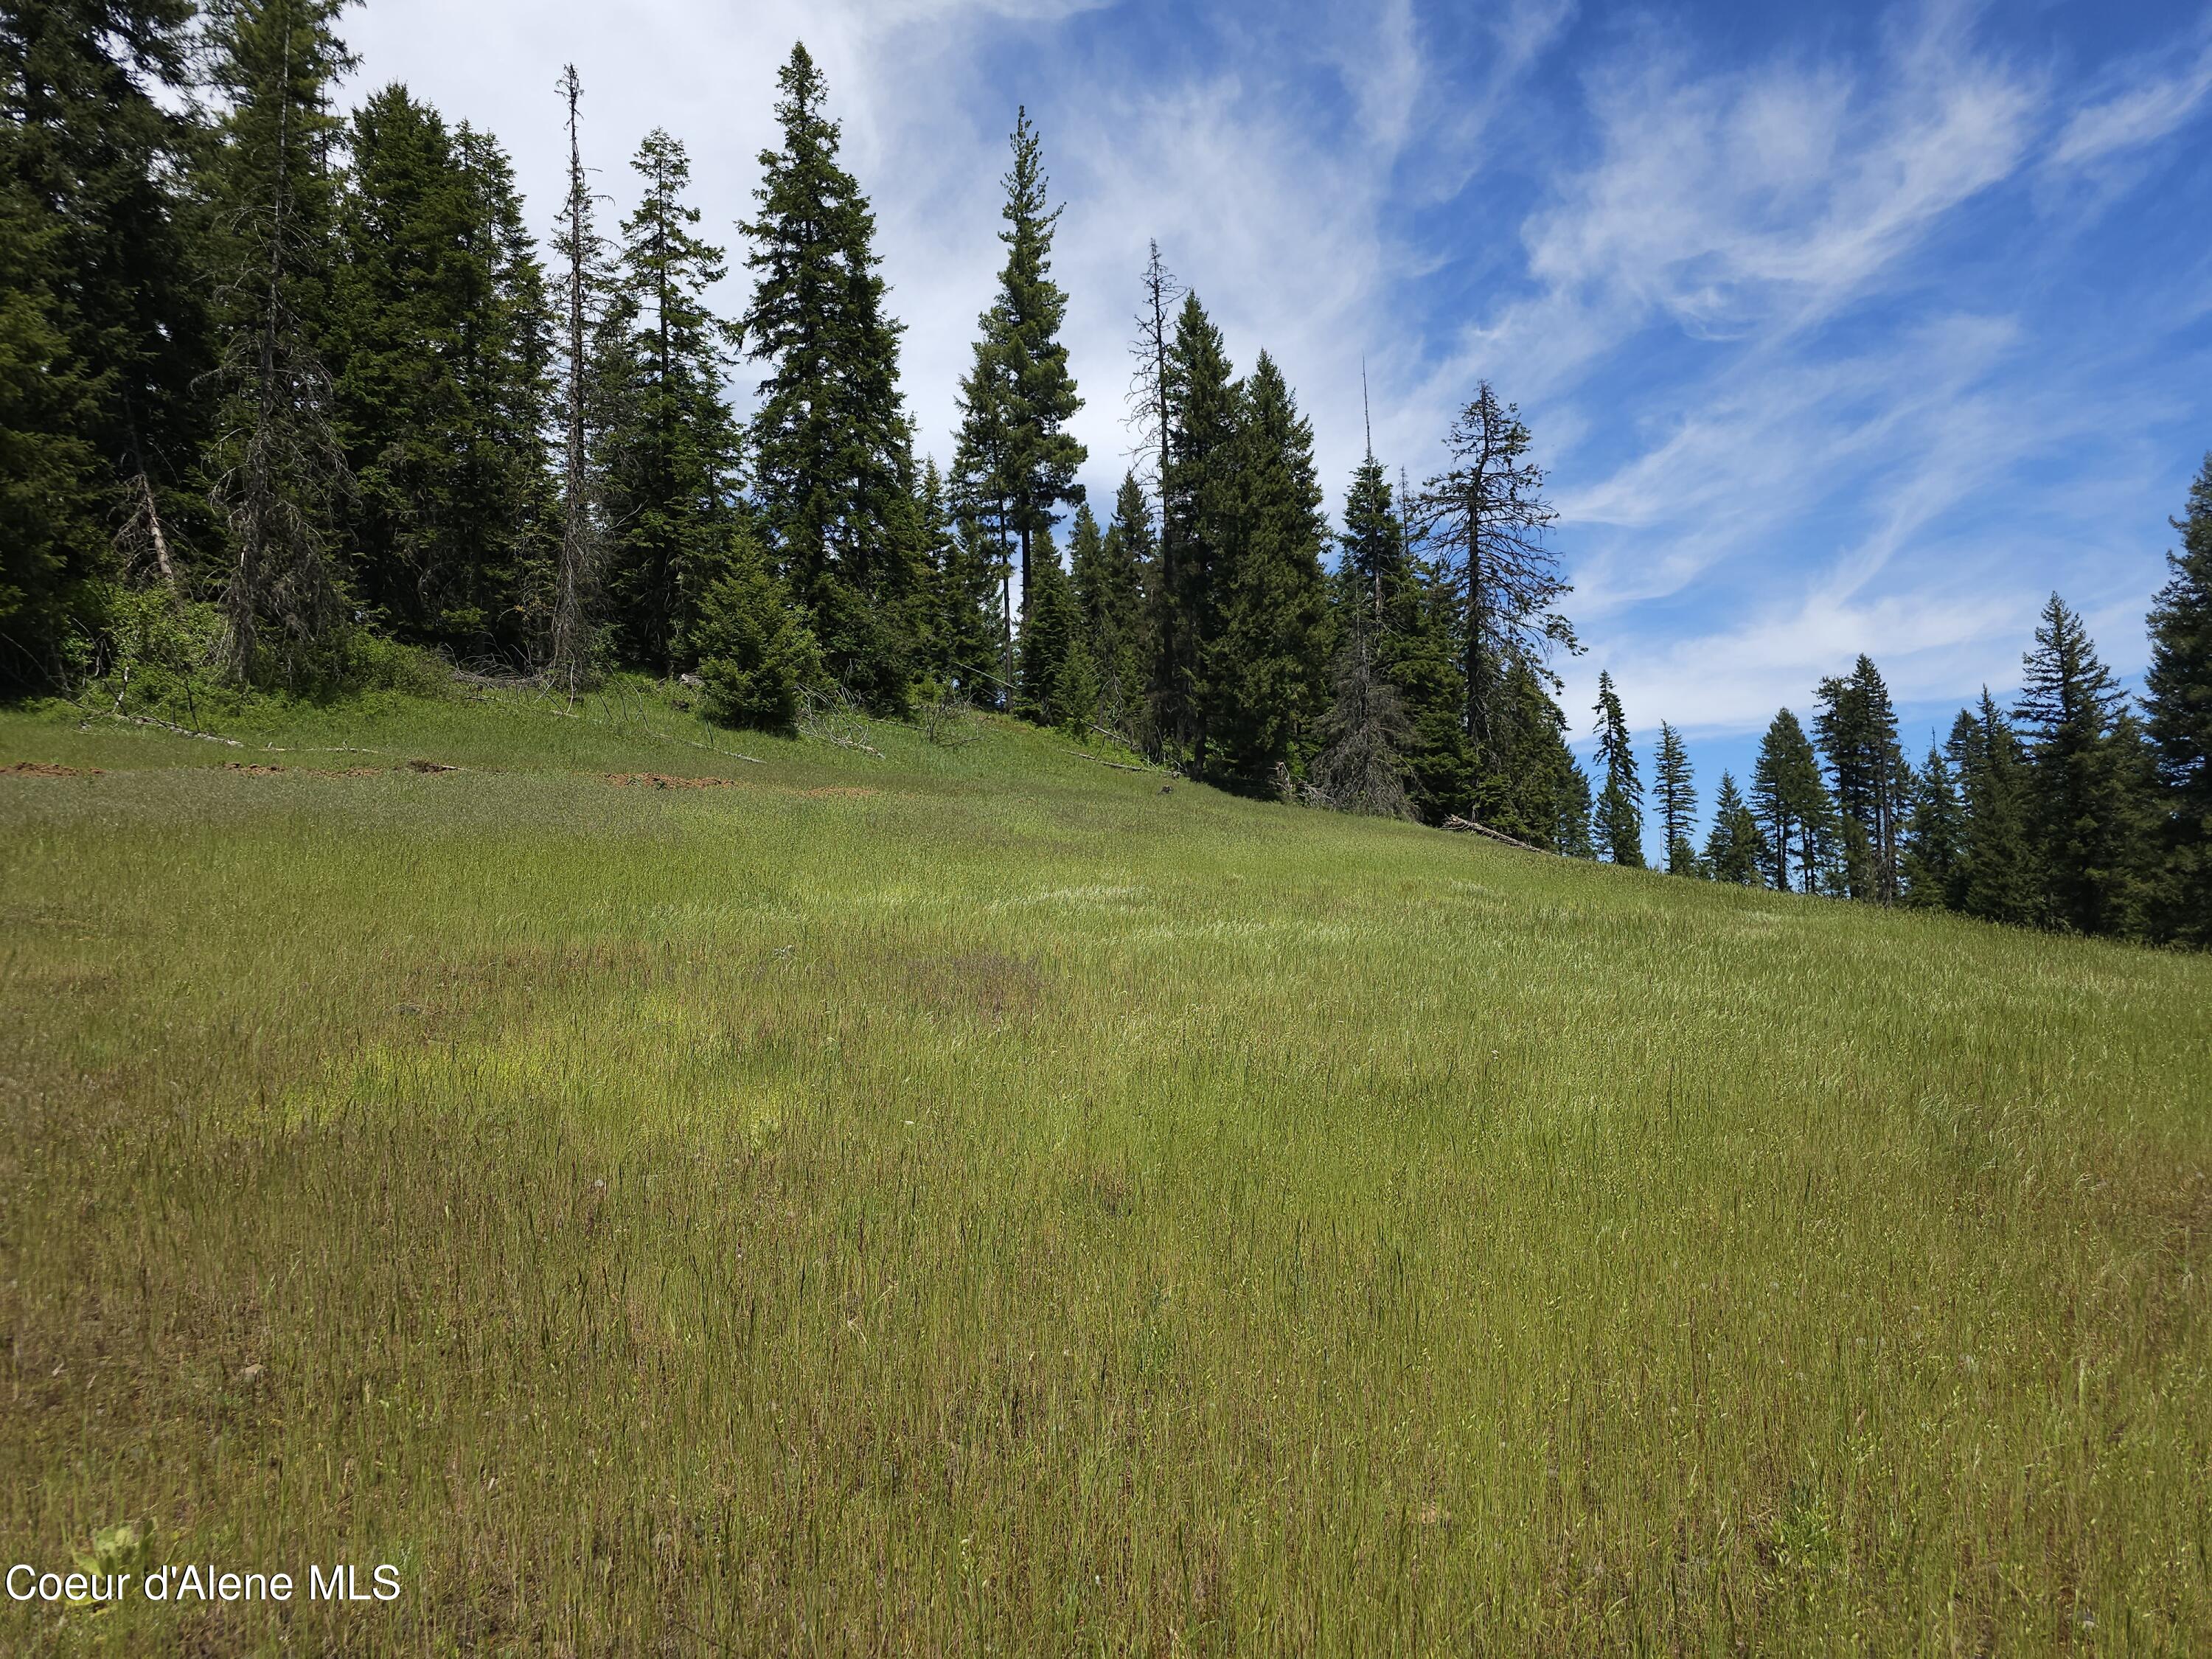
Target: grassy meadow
[{"x": 966, "y": 1198}]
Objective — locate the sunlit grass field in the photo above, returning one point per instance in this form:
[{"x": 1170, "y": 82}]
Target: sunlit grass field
[{"x": 971, "y": 1200}]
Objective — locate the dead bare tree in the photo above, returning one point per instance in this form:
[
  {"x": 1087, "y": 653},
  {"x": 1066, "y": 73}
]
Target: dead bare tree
[{"x": 569, "y": 654}]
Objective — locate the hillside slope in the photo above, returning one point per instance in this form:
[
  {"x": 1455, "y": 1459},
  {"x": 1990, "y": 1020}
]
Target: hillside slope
[{"x": 969, "y": 1198}]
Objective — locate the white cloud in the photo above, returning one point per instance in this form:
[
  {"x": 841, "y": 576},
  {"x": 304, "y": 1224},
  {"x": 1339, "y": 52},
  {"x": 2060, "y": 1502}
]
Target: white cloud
[{"x": 2141, "y": 111}]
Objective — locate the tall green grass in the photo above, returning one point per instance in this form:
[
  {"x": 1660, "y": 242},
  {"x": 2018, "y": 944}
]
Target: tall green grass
[{"x": 969, "y": 1200}]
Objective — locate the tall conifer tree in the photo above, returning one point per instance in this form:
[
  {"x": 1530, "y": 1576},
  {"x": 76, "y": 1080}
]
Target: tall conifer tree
[
  {"x": 1736, "y": 847},
  {"x": 1200, "y": 489},
  {"x": 1620, "y": 801},
  {"x": 1857, "y": 728},
  {"x": 280, "y": 476},
  {"x": 1930, "y": 870},
  {"x": 2178, "y": 700},
  {"x": 1110, "y": 571},
  {"x": 1792, "y": 804},
  {"x": 2078, "y": 781},
  {"x": 104, "y": 339},
  {"x": 1998, "y": 880},
  {"x": 668, "y": 443},
  {"x": 831, "y": 449},
  {"x": 1266, "y": 676},
  {"x": 1678, "y": 801}
]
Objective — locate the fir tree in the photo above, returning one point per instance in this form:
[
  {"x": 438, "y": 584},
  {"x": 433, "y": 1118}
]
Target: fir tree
[
  {"x": 965, "y": 620},
  {"x": 1361, "y": 767},
  {"x": 1266, "y": 676},
  {"x": 1200, "y": 488},
  {"x": 49, "y": 500},
  {"x": 830, "y": 446},
  {"x": 1572, "y": 837},
  {"x": 2079, "y": 807},
  {"x": 437, "y": 345},
  {"x": 755, "y": 651},
  {"x": 105, "y": 342},
  {"x": 281, "y": 477},
  {"x": 2178, "y": 701},
  {"x": 1110, "y": 573},
  {"x": 1020, "y": 388},
  {"x": 668, "y": 444},
  {"x": 1678, "y": 802},
  {"x": 1857, "y": 728},
  {"x": 1998, "y": 880},
  {"x": 1488, "y": 515},
  {"x": 1931, "y": 869},
  {"x": 1535, "y": 787},
  {"x": 1736, "y": 847},
  {"x": 1621, "y": 802},
  {"x": 1792, "y": 804},
  {"x": 1046, "y": 641}
]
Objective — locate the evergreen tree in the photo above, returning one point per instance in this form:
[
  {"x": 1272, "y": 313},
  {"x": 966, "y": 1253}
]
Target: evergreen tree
[
  {"x": 438, "y": 343},
  {"x": 668, "y": 445},
  {"x": 281, "y": 477},
  {"x": 1620, "y": 803},
  {"x": 104, "y": 333},
  {"x": 1678, "y": 802},
  {"x": 49, "y": 500},
  {"x": 755, "y": 651},
  {"x": 2079, "y": 807},
  {"x": 1488, "y": 515},
  {"x": 2178, "y": 701},
  {"x": 1200, "y": 489},
  {"x": 1265, "y": 675},
  {"x": 1792, "y": 804},
  {"x": 1031, "y": 393},
  {"x": 509, "y": 501},
  {"x": 1572, "y": 837},
  {"x": 1932, "y": 871},
  {"x": 1110, "y": 573},
  {"x": 1857, "y": 728},
  {"x": 964, "y": 621},
  {"x": 830, "y": 445},
  {"x": 1046, "y": 641},
  {"x": 1361, "y": 767},
  {"x": 1736, "y": 847},
  {"x": 1536, "y": 787},
  {"x": 1998, "y": 880}
]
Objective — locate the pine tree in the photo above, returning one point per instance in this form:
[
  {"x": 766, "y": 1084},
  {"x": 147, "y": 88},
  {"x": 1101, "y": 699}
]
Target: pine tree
[
  {"x": 1110, "y": 574},
  {"x": 1620, "y": 803},
  {"x": 1735, "y": 847},
  {"x": 1572, "y": 837},
  {"x": 2080, "y": 811},
  {"x": 1678, "y": 802},
  {"x": 105, "y": 341},
  {"x": 963, "y": 631},
  {"x": 1931, "y": 871},
  {"x": 2178, "y": 701},
  {"x": 755, "y": 651},
  {"x": 1857, "y": 728},
  {"x": 830, "y": 445},
  {"x": 281, "y": 478},
  {"x": 1265, "y": 675},
  {"x": 1200, "y": 488},
  {"x": 573, "y": 611},
  {"x": 1998, "y": 880},
  {"x": 1792, "y": 804},
  {"x": 1488, "y": 515},
  {"x": 668, "y": 445}
]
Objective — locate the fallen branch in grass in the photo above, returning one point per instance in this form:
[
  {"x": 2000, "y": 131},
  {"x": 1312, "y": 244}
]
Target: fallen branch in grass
[
  {"x": 147, "y": 720},
  {"x": 1468, "y": 827}
]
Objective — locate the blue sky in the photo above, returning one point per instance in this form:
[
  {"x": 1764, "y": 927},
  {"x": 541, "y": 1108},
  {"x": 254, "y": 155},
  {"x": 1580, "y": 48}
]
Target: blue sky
[{"x": 1839, "y": 328}]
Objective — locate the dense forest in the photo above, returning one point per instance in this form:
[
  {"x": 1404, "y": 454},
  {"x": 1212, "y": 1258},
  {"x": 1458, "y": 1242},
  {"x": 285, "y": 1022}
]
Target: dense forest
[{"x": 288, "y": 399}]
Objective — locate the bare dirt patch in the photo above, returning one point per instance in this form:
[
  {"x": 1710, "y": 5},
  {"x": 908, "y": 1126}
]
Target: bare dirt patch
[
  {"x": 663, "y": 781},
  {"x": 46, "y": 770}
]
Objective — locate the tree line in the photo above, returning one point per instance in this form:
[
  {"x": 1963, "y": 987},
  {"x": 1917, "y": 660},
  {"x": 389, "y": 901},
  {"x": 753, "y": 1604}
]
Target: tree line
[{"x": 281, "y": 388}]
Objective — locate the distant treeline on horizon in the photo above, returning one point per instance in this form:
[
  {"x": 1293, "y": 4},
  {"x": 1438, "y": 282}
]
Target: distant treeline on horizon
[{"x": 283, "y": 394}]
